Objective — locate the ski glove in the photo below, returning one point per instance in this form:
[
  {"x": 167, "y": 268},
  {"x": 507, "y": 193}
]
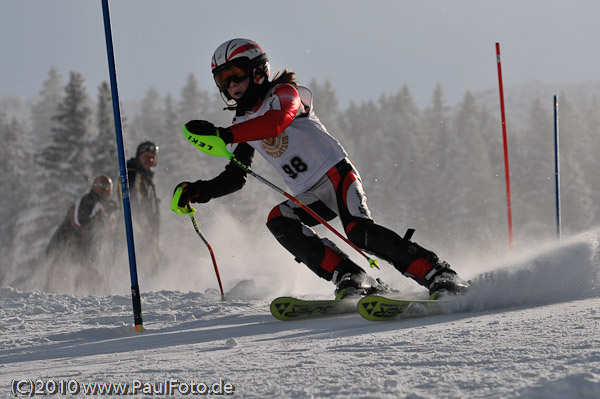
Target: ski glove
[
  {"x": 205, "y": 128},
  {"x": 193, "y": 192}
]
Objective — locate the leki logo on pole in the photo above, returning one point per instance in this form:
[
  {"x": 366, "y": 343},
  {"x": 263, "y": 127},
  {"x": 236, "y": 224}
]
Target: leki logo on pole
[{"x": 210, "y": 145}]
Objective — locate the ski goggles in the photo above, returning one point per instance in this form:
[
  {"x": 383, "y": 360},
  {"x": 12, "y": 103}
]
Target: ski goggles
[
  {"x": 231, "y": 73},
  {"x": 103, "y": 185},
  {"x": 147, "y": 147}
]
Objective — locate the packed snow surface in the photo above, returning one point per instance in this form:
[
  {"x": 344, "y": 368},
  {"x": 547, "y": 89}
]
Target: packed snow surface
[{"x": 529, "y": 328}]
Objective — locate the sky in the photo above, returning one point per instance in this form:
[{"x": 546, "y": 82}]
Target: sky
[{"x": 365, "y": 49}]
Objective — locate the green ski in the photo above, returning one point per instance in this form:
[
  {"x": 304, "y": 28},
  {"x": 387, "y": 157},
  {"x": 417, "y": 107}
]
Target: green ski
[
  {"x": 378, "y": 308},
  {"x": 288, "y": 308}
]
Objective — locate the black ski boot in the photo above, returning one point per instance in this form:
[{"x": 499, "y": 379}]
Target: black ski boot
[
  {"x": 443, "y": 281},
  {"x": 350, "y": 285},
  {"x": 348, "y": 278},
  {"x": 352, "y": 281}
]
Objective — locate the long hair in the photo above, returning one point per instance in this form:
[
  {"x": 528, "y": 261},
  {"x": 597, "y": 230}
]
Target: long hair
[{"x": 284, "y": 77}]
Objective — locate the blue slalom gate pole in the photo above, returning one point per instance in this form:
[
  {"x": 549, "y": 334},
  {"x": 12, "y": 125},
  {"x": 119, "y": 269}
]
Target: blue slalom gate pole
[
  {"x": 135, "y": 289},
  {"x": 557, "y": 167}
]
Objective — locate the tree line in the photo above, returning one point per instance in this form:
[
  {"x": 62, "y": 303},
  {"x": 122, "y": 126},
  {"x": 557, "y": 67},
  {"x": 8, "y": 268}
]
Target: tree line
[{"x": 439, "y": 168}]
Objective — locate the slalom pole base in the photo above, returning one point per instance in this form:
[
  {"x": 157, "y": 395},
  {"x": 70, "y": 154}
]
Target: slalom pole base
[{"x": 137, "y": 308}]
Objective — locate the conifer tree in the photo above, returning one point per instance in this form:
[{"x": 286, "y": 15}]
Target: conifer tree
[
  {"x": 65, "y": 160},
  {"x": 149, "y": 123},
  {"x": 469, "y": 169},
  {"x": 578, "y": 197},
  {"x": 16, "y": 180},
  {"x": 359, "y": 123},
  {"x": 44, "y": 110},
  {"x": 104, "y": 144},
  {"x": 171, "y": 122},
  {"x": 397, "y": 152},
  {"x": 63, "y": 164},
  {"x": 533, "y": 171},
  {"x": 192, "y": 104},
  {"x": 325, "y": 104},
  {"x": 435, "y": 124},
  {"x": 21, "y": 229}
]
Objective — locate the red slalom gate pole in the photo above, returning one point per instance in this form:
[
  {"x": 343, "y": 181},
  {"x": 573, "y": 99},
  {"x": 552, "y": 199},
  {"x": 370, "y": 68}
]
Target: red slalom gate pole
[{"x": 504, "y": 137}]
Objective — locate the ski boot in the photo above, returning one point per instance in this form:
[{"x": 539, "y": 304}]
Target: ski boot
[
  {"x": 350, "y": 285},
  {"x": 352, "y": 281},
  {"x": 443, "y": 281},
  {"x": 360, "y": 284}
]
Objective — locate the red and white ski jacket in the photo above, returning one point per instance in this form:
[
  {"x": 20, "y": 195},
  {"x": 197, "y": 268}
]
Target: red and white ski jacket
[{"x": 284, "y": 129}]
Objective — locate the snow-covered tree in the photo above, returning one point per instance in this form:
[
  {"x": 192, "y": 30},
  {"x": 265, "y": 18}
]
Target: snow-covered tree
[
  {"x": 104, "y": 144},
  {"x": 325, "y": 104},
  {"x": 51, "y": 96},
  {"x": 532, "y": 174},
  {"x": 193, "y": 101},
  {"x": 435, "y": 125},
  {"x": 148, "y": 124},
  {"x": 64, "y": 157},
  {"x": 579, "y": 198}
]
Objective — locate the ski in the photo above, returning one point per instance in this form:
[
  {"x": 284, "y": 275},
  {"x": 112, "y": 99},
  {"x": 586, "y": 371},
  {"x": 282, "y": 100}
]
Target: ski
[
  {"x": 379, "y": 308},
  {"x": 289, "y": 308}
]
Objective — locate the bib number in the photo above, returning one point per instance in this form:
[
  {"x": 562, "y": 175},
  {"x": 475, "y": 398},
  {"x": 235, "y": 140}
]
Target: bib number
[{"x": 295, "y": 167}]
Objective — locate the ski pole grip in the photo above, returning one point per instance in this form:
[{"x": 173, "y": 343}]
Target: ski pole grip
[
  {"x": 210, "y": 145},
  {"x": 186, "y": 210}
]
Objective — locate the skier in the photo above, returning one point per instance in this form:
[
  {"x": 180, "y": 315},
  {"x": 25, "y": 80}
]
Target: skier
[
  {"x": 276, "y": 119},
  {"x": 145, "y": 203},
  {"x": 81, "y": 237}
]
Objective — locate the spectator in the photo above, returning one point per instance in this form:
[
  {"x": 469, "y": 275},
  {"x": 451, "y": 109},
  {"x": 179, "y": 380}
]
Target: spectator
[
  {"x": 145, "y": 205},
  {"x": 81, "y": 239}
]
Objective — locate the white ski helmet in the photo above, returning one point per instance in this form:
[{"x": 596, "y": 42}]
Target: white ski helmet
[{"x": 237, "y": 59}]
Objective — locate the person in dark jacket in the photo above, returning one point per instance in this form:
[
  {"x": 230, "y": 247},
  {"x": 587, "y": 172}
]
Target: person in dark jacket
[
  {"x": 145, "y": 204},
  {"x": 82, "y": 237}
]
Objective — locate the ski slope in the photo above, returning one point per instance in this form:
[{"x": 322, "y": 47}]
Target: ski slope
[{"x": 528, "y": 329}]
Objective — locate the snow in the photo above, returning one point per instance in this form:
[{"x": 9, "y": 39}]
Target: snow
[{"x": 528, "y": 329}]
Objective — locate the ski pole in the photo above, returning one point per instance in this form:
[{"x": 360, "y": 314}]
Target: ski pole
[
  {"x": 188, "y": 210},
  {"x": 215, "y": 146}
]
